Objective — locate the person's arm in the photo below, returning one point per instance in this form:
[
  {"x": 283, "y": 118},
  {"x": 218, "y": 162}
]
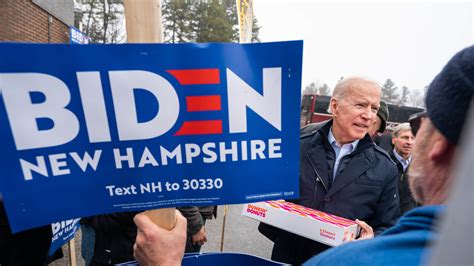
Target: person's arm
[
  {"x": 113, "y": 222},
  {"x": 388, "y": 207},
  {"x": 387, "y": 211},
  {"x": 157, "y": 246},
  {"x": 195, "y": 224}
]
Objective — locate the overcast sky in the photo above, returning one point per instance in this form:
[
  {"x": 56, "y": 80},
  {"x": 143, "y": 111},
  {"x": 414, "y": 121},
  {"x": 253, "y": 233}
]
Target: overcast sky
[{"x": 408, "y": 42}]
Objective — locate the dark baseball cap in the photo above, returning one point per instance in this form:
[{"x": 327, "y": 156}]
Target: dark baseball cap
[
  {"x": 449, "y": 95},
  {"x": 383, "y": 114}
]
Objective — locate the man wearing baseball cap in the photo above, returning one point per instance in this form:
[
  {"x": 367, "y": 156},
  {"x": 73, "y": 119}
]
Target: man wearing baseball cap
[
  {"x": 380, "y": 122},
  {"x": 377, "y": 129}
]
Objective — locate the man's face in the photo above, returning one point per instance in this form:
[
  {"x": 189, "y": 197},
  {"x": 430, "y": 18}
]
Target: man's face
[
  {"x": 419, "y": 167},
  {"x": 356, "y": 112},
  {"x": 374, "y": 128},
  {"x": 403, "y": 143}
]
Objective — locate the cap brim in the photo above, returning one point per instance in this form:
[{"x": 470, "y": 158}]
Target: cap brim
[{"x": 382, "y": 126}]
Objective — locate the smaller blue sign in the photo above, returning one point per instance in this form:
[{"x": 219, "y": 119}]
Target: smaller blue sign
[
  {"x": 77, "y": 37},
  {"x": 63, "y": 231}
]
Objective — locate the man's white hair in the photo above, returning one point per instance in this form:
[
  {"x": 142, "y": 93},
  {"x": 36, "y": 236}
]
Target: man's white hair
[{"x": 344, "y": 84}]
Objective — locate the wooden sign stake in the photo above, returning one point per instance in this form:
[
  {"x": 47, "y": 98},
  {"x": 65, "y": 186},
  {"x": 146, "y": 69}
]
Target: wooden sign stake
[{"x": 143, "y": 22}]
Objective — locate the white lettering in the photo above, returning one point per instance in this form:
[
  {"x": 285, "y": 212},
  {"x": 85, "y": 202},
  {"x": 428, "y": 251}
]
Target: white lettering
[
  {"x": 243, "y": 147},
  {"x": 206, "y": 149},
  {"x": 192, "y": 150},
  {"x": 56, "y": 227},
  {"x": 147, "y": 158},
  {"x": 23, "y": 114},
  {"x": 123, "y": 83},
  {"x": 241, "y": 96},
  {"x": 176, "y": 153},
  {"x": 86, "y": 160},
  {"x": 273, "y": 148},
  {"x": 232, "y": 151},
  {"x": 256, "y": 148},
  {"x": 39, "y": 167},
  {"x": 128, "y": 157},
  {"x": 93, "y": 104},
  {"x": 56, "y": 164}
]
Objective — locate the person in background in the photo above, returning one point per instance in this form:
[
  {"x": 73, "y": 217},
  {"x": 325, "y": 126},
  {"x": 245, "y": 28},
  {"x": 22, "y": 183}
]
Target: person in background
[
  {"x": 377, "y": 129},
  {"x": 380, "y": 123},
  {"x": 28, "y": 247},
  {"x": 342, "y": 171},
  {"x": 87, "y": 239},
  {"x": 197, "y": 217},
  {"x": 403, "y": 141},
  {"x": 114, "y": 238}
]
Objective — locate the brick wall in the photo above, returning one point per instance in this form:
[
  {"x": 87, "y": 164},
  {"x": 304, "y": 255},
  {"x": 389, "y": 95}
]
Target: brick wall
[{"x": 23, "y": 21}]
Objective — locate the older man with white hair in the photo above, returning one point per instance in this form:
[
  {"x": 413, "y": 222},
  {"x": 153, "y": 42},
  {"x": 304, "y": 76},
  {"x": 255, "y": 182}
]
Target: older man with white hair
[
  {"x": 430, "y": 175},
  {"x": 342, "y": 171}
]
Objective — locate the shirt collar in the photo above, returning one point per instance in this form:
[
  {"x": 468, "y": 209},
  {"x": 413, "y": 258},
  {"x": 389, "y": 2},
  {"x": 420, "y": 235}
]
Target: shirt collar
[
  {"x": 332, "y": 141},
  {"x": 401, "y": 159}
]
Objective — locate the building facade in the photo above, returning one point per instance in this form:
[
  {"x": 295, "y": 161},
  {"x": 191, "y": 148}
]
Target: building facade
[{"x": 36, "y": 21}]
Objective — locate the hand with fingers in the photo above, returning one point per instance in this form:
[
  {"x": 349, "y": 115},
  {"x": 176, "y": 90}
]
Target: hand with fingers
[
  {"x": 366, "y": 231},
  {"x": 200, "y": 237},
  {"x": 157, "y": 246}
]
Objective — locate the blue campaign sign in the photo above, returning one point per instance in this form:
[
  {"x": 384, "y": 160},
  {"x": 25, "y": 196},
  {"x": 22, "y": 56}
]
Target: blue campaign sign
[
  {"x": 95, "y": 129},
  {"x": 63, "y": 231},
  {"x": 77, "y": 37}
]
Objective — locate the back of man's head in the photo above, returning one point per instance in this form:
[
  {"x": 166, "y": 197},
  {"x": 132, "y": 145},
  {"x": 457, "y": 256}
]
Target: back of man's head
[
  {"x": 447, "y": 103},
  {"x": 449, "y": 95}
]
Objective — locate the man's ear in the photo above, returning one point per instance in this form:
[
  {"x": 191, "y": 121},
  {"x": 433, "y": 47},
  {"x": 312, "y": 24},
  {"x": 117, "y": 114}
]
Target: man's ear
[
  {"x": 440, "y": 149},
  {"x": 333, "y": 104}
]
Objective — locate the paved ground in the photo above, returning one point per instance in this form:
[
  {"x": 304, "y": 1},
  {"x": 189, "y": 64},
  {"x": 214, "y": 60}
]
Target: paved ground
[{"x": 241, "y": 235}]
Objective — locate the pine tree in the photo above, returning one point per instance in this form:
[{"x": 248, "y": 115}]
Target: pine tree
[
  {"x": 100, "y": 20},
  {"x": 389, "y": 92},
  {"x": 212, "y": 24},
  {"x": 177, "y": 21},
  {"x": 324, "y": 90},
  {"x": 310, "y": 89},
  {"x": 255, "y": 30},
  {"x": 203, "y": 21},
  {"x": 404, "y": 97}
]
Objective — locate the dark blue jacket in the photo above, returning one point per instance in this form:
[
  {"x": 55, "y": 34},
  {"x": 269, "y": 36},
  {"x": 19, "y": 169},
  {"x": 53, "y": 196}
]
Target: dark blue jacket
[
  {"x": 365, "y": 188},
  {"x": 407, "y": 243},
  {"x": 28, "y": 247},
  {"x": 407, "y": 202}
]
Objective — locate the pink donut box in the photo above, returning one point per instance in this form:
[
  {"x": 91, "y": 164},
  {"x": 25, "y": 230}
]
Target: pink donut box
[{"x": 323, "y": 227}]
